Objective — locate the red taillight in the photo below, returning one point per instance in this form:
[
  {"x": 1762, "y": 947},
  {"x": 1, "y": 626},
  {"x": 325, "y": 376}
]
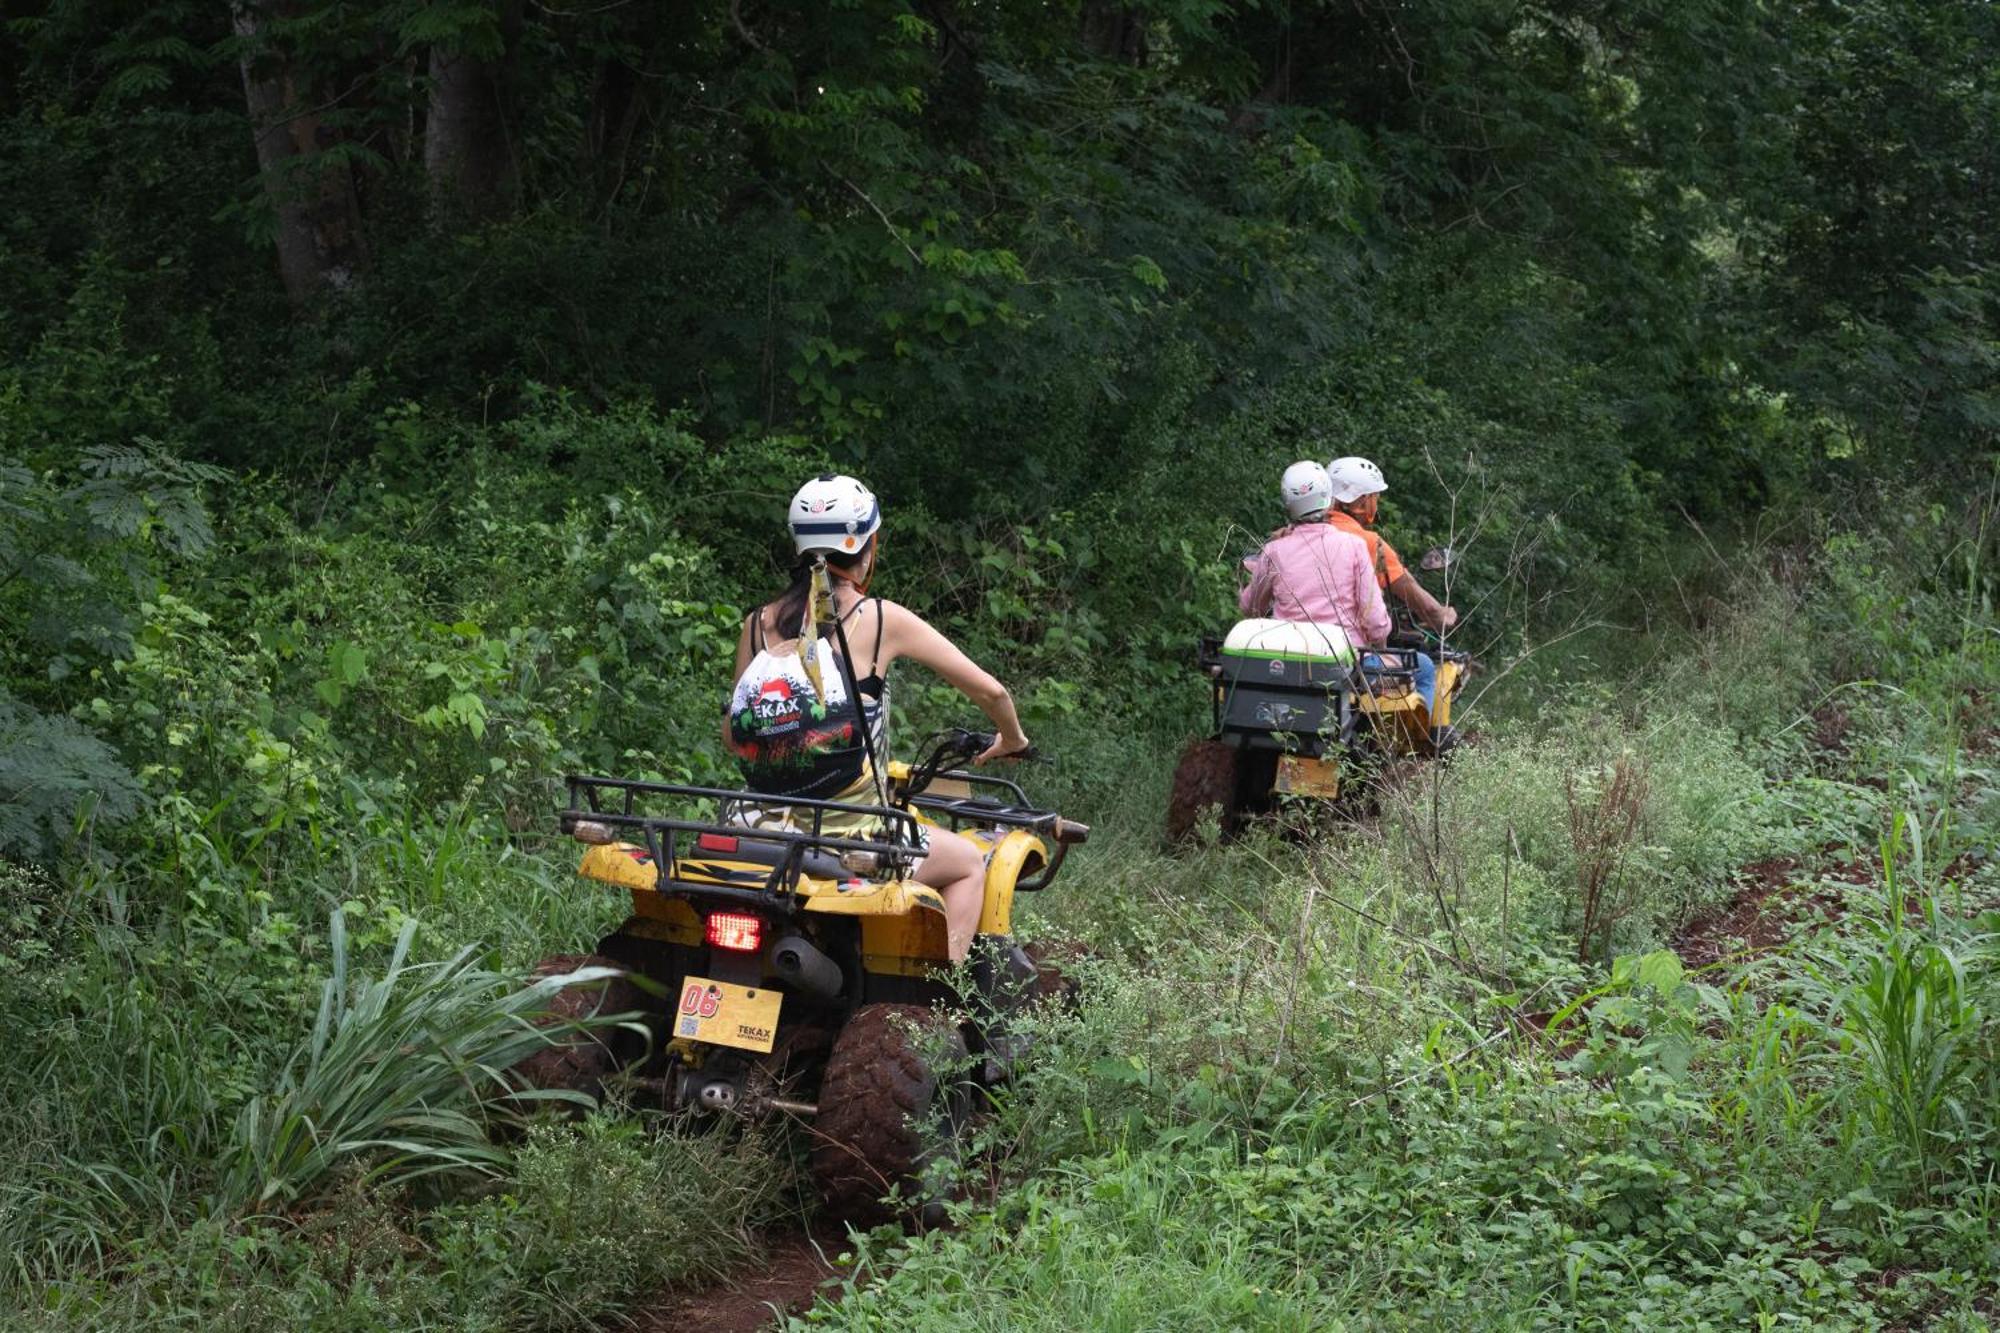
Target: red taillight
[
  {"x": 736, "y": 931},
  {"x": 716, "y": 842}
]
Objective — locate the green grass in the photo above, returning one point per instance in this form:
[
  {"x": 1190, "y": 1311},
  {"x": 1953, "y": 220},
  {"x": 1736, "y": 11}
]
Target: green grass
[
  {"x": 1309, "y": 1102},
  {"x": 1308, "y": 1089}
]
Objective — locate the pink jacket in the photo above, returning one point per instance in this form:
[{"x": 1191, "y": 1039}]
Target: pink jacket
[{"x": 1317, "y": 572}]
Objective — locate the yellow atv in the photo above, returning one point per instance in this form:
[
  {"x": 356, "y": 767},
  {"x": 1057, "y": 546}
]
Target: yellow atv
[
  {"x": 1295, "y": 714},
  {"x": 801, "y": 969}
]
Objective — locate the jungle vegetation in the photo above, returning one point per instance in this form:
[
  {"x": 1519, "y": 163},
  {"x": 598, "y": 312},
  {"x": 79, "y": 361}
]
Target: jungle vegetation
[{"x": 397, "y": 402}]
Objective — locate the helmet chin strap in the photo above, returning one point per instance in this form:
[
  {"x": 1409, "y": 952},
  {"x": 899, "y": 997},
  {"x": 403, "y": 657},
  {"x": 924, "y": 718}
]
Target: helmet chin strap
[{"x": 860, "y": 584}]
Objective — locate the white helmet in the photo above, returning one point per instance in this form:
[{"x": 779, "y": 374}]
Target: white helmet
[
  {"x": 1307, "y": 491},
  {"x": 1353, "y": 478},
  {"x": 834, "y": 514}
]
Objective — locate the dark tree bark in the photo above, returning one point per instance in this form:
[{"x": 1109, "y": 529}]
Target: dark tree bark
[
  {"x": 319, "y": 223},
  {"x": 467, "y": 153},
  {"x": 1114, "y": 31},
  {"x": 617, "y": 104}
]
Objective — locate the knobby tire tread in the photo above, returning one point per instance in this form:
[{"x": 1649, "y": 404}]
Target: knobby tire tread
[
  {"x": 582, "y": 1061},
  {"x": 873, "y": 1128},
  {"x": 1204, "y": 779}
]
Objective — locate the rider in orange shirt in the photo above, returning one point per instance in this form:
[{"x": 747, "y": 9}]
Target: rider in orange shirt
[{"x": 1356, "y": 483}]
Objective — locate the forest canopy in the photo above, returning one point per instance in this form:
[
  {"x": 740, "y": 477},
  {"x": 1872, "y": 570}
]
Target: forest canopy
[
  {"x": 1053, "y": 278},
  {"x": 983, "y": 238}
]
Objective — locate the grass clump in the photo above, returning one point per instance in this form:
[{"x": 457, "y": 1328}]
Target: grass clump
[
  {"x": 407, "y": 1069},
  {"x": 593, "y": 1213}
]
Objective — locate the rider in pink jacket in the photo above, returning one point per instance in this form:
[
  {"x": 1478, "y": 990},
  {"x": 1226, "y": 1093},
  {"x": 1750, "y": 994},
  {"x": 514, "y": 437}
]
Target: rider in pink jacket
[{"x": 1313, "y": 570}]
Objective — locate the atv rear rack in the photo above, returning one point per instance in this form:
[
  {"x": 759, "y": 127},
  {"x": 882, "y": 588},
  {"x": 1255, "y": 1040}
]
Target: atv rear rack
[
  {"x": 663, "y": 837},
  {"x": 1396, "y": 661}
]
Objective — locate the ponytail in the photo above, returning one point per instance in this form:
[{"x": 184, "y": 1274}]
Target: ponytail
[{"x": 794, "y": 606}]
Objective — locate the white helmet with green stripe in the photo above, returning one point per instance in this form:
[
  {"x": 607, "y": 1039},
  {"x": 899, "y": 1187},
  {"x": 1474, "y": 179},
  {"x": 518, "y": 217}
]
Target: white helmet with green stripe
[{"x": 834, "y": 514}]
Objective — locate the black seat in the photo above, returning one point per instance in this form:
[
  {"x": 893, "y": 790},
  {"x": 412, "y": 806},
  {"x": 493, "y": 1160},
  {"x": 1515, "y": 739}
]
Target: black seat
[{"x": 731, "y": 845}]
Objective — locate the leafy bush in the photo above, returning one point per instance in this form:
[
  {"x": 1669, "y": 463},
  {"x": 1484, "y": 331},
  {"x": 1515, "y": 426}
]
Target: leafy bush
[{"x": 69, "y": 557}]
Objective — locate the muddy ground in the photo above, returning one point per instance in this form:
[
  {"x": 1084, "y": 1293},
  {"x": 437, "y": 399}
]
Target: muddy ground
[{"x": 784, "y": 1281}]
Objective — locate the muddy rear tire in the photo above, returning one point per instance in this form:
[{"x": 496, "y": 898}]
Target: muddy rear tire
[
  {"x": 1205, "y": 779},
  {"x": 581, "y": 1061},
  {"x": 892, "y": 1107}
]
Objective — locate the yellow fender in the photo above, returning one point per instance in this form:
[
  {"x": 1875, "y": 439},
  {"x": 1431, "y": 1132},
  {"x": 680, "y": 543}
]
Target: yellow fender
[
  {"x": 1009, "y": 854},
  {"x": 1399, "y": 713},
  {"x": 902, "y": 924},
  {"x": 655, "y": 916},
  {"x": 625, "y": 864},
  {"x": 1448, "y": 687}
]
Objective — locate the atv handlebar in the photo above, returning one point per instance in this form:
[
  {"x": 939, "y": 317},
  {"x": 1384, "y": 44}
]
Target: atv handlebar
[
  {"x": 960, "y": 744},
  {"x": 1408, "y": 632},
  {"x": 955, "y": 746}
]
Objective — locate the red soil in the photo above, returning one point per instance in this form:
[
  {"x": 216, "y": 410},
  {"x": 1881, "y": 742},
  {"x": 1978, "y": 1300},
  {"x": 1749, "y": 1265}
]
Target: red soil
[
  {"x": 1767, "y": 909},
  {"x": 786, "y": 1281}
]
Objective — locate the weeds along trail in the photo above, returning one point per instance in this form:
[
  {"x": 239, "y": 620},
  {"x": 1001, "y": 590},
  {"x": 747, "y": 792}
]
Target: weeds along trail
[
  {"x": 1678, "y": 1006},
  {"x": 1446, "y": 1060}
]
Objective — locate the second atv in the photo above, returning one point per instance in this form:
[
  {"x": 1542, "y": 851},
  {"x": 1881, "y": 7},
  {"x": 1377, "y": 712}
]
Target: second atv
[{"x": 1294, "y": 713}]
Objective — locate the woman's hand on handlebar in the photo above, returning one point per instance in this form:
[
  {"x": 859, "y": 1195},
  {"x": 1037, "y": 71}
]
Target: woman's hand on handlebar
[{"x": 1005, "y": 746}]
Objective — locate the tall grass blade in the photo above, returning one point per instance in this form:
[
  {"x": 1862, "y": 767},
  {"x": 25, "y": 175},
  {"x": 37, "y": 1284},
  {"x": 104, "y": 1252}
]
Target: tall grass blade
[{"x": 406, "y": 1071}]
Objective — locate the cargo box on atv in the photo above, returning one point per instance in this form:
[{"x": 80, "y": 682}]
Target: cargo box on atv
[{"x": 1281, "y": 685}]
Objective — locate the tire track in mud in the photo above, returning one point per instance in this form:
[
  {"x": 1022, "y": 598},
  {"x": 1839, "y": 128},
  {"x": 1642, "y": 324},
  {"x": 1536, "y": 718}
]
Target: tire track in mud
[{"x": 759, "y": 1294}]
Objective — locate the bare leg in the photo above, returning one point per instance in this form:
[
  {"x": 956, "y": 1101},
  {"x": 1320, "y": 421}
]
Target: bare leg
[{"x": 957, "y": 870}]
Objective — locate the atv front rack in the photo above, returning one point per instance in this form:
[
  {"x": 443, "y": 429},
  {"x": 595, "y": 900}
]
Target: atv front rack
[{"x": 616, "y": 804}]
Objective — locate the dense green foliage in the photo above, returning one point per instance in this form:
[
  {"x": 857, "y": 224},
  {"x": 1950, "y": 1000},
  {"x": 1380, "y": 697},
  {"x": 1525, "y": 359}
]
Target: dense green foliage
[{"x": 396, "y": 402}]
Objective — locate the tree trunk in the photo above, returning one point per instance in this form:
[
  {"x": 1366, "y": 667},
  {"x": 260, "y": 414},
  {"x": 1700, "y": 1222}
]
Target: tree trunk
[
  {"x": 1115, "y": 31},
  {"x": 319, "y": 224},
  {"x": 466, "y": 152}
]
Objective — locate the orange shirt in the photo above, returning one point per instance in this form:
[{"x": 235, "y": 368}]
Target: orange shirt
[{"x": 1388, "y": 565}]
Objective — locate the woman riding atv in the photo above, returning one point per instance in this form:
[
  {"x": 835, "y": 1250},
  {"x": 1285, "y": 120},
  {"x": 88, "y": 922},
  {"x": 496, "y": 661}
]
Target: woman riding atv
[
  {"x": 791, "y": 721},
  {"x": 1312, "y": 571}
]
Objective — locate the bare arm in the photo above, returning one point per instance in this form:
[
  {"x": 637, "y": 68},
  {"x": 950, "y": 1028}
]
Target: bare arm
[
  {"x": 1428, "y": 609},
  {"x": 906, "y": 634}
]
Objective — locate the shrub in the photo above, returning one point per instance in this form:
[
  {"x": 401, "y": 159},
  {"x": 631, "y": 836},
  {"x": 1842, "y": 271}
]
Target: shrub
[{"x": 406, "y": 1069}]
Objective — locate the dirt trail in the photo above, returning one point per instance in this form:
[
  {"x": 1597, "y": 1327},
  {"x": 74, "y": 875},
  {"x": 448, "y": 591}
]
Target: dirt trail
[
  {"x": 1769, "y": 906},
  {"x": 757, "y": 1296}
]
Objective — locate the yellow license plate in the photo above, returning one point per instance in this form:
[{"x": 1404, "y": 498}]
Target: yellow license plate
[
  {"x": 717, "y": 1012},
  {"x": 1299, "y": 775}
]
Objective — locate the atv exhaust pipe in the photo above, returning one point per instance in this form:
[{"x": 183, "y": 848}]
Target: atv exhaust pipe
[{"x": 798, "y": 962}]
